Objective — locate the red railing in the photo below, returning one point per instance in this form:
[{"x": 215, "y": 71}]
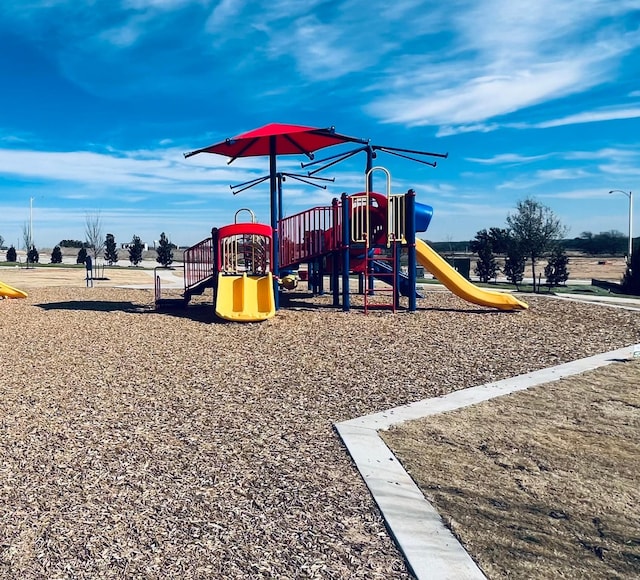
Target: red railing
[
  {"x": 198, "y": 263},
  {"x": 309, "y": 234}
]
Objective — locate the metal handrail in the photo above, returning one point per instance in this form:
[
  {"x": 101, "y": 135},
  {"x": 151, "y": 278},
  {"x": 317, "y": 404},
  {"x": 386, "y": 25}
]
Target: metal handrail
[{"x": 198, "y": 263}]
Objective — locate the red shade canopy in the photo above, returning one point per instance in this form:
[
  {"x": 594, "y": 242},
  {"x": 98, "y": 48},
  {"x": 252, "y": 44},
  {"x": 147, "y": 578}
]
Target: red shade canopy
[{"x": 277, "y": 139}]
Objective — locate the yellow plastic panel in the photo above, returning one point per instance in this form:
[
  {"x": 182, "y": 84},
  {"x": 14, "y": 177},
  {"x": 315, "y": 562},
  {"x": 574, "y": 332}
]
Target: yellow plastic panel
[{"x": 245, "y": 298}]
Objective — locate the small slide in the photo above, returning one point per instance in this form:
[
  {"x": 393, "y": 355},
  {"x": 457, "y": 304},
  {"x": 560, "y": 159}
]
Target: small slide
[
  {"x": 243, "y": 298},
  {"x": 384, "y": 268},
  {"x": 460, "y": 286},
  {"x": 7, "y": 291}
]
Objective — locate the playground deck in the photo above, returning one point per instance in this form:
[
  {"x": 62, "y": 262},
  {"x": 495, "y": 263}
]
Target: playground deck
[{"x": 169, "y": 445}]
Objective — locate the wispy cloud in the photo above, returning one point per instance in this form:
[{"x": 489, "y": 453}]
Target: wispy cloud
[
  {"x": 508, "y": 159},
  {"x": 497, "y": 65},
  {"x": 609, "y": 114},
  {"x": 606, "y": 153}
]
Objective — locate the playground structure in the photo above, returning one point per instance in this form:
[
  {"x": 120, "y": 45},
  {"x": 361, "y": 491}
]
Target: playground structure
[
  {"x": 7, "y": 291},
  {"x": 364, "y": 234}
]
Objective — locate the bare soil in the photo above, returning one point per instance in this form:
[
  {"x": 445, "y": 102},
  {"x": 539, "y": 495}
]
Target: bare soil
[
  {"x": 584, "y": 268},
  {"x": 538, "y": 484}
]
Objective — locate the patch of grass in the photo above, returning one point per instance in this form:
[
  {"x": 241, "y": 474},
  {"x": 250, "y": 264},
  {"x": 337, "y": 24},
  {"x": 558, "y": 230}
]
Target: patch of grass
[{"x": 540, "y": 483}]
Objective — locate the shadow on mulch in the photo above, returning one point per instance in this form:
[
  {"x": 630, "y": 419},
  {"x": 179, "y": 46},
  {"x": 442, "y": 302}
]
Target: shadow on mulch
[
  {"x": 197, "y": 312},
  {"x": 483, "y": 311},
  {"x": 95, "y": 305}
]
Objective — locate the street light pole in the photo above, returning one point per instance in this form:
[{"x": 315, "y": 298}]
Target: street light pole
[{"x": 630, "y": 196}]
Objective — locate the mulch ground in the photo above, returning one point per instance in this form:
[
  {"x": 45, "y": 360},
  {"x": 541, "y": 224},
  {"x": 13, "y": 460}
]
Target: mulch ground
[{"x": 142, "y": 444}]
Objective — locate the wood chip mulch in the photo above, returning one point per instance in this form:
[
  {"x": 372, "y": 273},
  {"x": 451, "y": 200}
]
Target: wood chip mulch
[{"x": 139, "y": 444}]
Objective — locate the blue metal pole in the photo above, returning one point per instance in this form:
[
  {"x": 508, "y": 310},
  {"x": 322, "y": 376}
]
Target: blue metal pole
[
  {"x": 273, "y": 186},
  {"x": 397, "y": 249},
  {"x": 410, "y": 236},
  {"x": 335, "y": 256},
  {"x": 320, "y": 277},
  {"x": 279, "y": 180},
  {"x": 346, "y": 238},
  {"x": 368, "y": 167}
]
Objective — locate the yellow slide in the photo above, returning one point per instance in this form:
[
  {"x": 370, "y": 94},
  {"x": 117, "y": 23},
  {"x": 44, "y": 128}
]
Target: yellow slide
[
  {"x": 7, "y": 291},
  {"x": 460, "y": 286},
  {"x": 245, "y": 298}
]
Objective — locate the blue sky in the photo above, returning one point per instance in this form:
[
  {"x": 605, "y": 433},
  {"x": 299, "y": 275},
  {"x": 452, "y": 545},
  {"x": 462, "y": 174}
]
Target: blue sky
[{"x": 101, "y": 99}]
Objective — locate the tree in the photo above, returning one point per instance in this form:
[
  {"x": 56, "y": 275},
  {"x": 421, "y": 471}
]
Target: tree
[
  {"x": 93, "y": 233},
  {"x": 33, "y": 257},
  {"x": 135, "y": 250},
  {"x": 26, "y": 236},
  {"x": 82, "y": 256},
  {"x": 110, "y": 250},
  {"x": 514, "y": 264},
  {"x": 500, "y": 239},
  {"x": 56, "y": 255},
  {"x": 611, "y": 243},
  {"x": 1, "y": 242},
  {"x": 536, "y": 229},
  {"x": 556, "y": 271},
  {"x": 486, "y": 266},
  {"x": 165, "y": 255},
  {"x": 12, "y": 256},
  {"x": 71, "y": 244}
]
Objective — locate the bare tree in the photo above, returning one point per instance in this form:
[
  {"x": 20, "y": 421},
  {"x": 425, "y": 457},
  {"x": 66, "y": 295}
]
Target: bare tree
[
  {"x": 93, "y": 233},
  {"x": 26, "y": 236},
  {"x": 536, "y": 229}
]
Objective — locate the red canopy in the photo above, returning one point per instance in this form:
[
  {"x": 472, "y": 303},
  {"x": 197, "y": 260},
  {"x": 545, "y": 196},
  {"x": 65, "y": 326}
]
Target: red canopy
[{"x": 277, "y": 139}]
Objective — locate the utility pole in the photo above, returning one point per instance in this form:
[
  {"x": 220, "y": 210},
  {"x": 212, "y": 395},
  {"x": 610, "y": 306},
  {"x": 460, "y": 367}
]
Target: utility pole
[
  {"x": 630, "y": 196},
  {"x": 30, "y": 223}
]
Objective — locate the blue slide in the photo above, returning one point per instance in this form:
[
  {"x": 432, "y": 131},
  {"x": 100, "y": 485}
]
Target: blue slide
[{"x": 384, "y": 268}]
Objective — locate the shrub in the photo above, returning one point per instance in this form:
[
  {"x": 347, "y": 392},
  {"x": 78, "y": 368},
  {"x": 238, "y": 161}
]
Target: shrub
[
  {"x": 135, "y": 250},
  {"x": 56, "y": 255},
  {"x": 82, "y": 256},
  {"x": 33, "y": 257},
  {"x": 165, "y": 255},
  {"x": 556, "y": 269}
]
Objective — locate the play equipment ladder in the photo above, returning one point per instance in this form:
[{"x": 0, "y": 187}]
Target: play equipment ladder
[
  {"x": 381, "y": 266},
  {"x": 384, "y": 268}
]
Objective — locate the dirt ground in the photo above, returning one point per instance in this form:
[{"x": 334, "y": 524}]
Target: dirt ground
[
  {"x": 28, "y": 278},
  {"x": 580, "y": 268},
  {"x": 542, "y": 483}
]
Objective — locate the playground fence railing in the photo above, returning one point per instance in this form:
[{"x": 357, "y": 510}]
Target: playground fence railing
[
  {"x": 198, "y": 263},
  {"x": 309, "y": 234}
]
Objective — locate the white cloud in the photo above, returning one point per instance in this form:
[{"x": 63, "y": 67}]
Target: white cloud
[
  {"x": 606, "y": 153},
  {"x": 592, "y": 117},
  {"x": 503, "y": 59},
  {"x": 508, "y": 159}
]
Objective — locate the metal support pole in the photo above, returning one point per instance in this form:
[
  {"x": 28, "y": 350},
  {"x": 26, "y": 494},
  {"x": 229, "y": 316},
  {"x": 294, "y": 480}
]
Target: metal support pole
[
  {"x": 410, "y": 236},
  {"x": 346, "y": 237},
  {"x": 273, "y": 186},
  {"x": 335, "y": 255}
]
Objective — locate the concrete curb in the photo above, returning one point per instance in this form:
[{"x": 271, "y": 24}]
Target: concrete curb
[{"x": 430, "y": 549}]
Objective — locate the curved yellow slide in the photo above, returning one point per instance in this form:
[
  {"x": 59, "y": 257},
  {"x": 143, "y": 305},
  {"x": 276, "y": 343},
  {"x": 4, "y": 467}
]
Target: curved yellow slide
[
  {"x": 7, "y": 291},
  {"x": 460, "y": 286},
  {"x": 243, "y": 298}
]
